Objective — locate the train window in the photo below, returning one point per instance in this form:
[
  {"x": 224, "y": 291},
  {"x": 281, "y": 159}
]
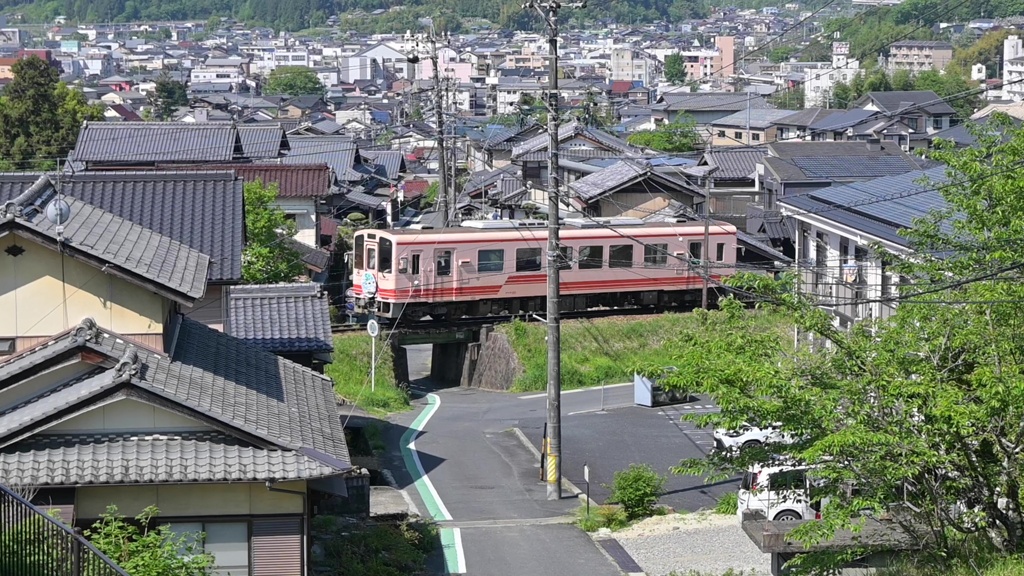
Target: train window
[
  {"x": 387, "y": 251},
  {"x": 527, "y": 259},
  {"x": 444, "y": 263},
  {"x": 591, "y": 257},
  {"x": 415, "y": 264},
  {"x": 490, "y": 261},
  {"x": 720, "y": 251},
  {"x": 696, "y": 248},
  {"x": 655, "y": 255},
  {"x": 403, "y": 265},
  {"x": 358, "y": 252},
  {"x": 620, "y": 256},
  {"x": 565, "y": 258},
  {"x": 371, "y": 258}
]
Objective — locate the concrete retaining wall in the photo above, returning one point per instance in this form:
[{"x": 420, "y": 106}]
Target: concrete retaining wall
[{"x": 497, "y": 365}]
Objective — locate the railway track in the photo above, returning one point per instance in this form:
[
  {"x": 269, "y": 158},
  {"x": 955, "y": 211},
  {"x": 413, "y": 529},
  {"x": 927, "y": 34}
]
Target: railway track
[{"x": 470, "y": 323}]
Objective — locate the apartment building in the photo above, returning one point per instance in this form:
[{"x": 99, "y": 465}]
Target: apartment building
[
  {"x": 636, "y": 66},
  {"x": 1013, "y": 68},
  {"x": 818, "y": 84},
  {"x": 919, "y": 55}
]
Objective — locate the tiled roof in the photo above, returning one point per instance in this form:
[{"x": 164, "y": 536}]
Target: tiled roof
[
  {"x": 709, "y": 101},
  {"x": 734, "y": 164},
  {"x": 315, "y": 258},
  {"x": 338, "y": 152},
  {"x": 203, "y": 210},
  {"x": 572, "y": 130},
  {"x": 262, "y": 141},
  {"x": 806, "y": 117},
  {"x": 392, "y": 161},
  {"x": 281, "y": 317},
  {"x": 756, "y": 118},
  {"x": 144, "y": 142},
  {"x": 52, "y": 460},
  {"x": 151, "y": 259},
  {"x": 622, "y": 173},
  {"x": 210, "y": 376},
  {"x": 892, "y": 102},
  {"x": 293, "y": 180}
]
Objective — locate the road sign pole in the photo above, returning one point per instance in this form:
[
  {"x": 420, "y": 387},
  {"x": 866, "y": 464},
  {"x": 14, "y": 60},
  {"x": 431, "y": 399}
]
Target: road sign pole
[
  {"x": 373, "y": 363},
  {"x": 586, "y": 478}
]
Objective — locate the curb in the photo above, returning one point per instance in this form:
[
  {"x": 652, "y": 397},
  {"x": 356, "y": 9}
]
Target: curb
[{"x": 566, "y": 483}]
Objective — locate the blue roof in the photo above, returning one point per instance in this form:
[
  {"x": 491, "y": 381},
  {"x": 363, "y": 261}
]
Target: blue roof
[
  {"x": 671, "y": 161},
  {"x": 881, "y": 206},
  {"x": 380, "y": 116}
]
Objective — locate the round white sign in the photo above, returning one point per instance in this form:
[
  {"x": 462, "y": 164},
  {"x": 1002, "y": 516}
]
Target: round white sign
[
  {"x": 369, "y": 284},
  {"x": 373, "y": 328}
]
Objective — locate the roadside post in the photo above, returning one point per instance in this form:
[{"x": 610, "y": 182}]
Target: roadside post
[
  {"x": 369, "y": 285},
  {"x": 586, "y": 479}
]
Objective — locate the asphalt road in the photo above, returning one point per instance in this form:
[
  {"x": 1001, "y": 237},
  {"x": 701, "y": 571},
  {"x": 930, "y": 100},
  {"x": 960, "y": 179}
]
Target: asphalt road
[{"x": 490, "y": 485}]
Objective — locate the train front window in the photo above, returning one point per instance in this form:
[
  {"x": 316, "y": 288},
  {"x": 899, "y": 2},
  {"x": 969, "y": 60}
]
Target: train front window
[
  {"x": 620, "y": 256},
  {"x": 527, "y": 259},
  {"x": 371, "y": 258},
  {"x": 358, "y": 251},
  {"x": 387, "y": 252}
]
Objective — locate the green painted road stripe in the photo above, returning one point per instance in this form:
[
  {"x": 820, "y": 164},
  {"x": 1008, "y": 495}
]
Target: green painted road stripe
[{"x": 451, "y": 538}]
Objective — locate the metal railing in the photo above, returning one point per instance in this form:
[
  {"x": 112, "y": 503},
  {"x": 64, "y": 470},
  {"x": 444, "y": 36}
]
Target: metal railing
[{"x": 34, "y": 544}]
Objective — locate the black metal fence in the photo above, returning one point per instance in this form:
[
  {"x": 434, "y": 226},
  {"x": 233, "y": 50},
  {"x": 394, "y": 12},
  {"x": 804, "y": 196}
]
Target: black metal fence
[{"x": 34, "y": 544}]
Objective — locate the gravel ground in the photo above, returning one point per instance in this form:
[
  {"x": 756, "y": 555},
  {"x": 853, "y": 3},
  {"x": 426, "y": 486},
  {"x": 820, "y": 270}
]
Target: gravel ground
[{"x": 709, "y": 544}]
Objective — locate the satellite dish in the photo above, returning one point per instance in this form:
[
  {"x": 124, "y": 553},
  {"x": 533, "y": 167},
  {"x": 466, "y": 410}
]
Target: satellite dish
[{"x": 58, "y": 212}]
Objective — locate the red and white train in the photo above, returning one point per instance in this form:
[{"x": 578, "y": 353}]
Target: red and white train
[{"x": 491, "y": 267}]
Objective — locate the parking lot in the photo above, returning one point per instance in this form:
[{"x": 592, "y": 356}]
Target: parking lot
[{"x": 622, "y": 434}]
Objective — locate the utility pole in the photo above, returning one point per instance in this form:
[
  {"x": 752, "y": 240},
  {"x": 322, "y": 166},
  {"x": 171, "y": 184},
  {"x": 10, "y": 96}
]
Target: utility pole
[
  {"x": 442, "y": 158},
  {"x": 706, "y": 251},
  {"x": 549, "y": 11}
]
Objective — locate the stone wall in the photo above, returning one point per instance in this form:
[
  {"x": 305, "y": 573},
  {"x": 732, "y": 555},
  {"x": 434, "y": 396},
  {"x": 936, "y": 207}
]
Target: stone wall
[{"x": 497, "y": 365}]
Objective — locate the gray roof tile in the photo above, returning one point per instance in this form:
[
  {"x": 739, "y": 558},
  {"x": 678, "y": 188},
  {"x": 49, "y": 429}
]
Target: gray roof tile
[
  {"x": 756, "y": 118},
  {"x": 623, "y": 173},
  {"x": 281, "y": 317},
  {"x": 338, "y": 152},
  {"x": 145, "y": 142},
  {"x": 54, "y": 460},
  {"x": 572, "y": 130},
  {"x": 392, "y": 161},
  {"x": 151, "y": 259},
  {"x": 262, "y": 141},
  {"x": 203, "y": 210},
  {"x": 734, "y": 164},
  {"x": 214, "y": 374}
]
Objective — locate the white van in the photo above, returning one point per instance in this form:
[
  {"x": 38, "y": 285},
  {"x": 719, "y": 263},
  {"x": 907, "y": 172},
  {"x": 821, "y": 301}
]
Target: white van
[{"x": 780, "y": 492}]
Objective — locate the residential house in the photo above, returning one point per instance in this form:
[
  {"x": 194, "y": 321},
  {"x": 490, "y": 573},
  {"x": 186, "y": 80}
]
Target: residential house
[
  {"x": 390, "y": 60},
  {"x": 919, "y": 55},
  {"x": 819, "y": 84},
  {"x": 730, "y": 176},
  {"x": 910, "y": 116},
  {"x": 292, "y": 321},
  {"x": 633, "y": 189},
  {"x": 703, "y": 107},
  {"x": 838, "y": 227},
  {"x": 635, "y": 66},
  {"x": 749, "y": 127},
  {"x": 577, "y": 144},
  {"x": 797, "y": 125},
  {"x": 792, "y": 168},
  {"x": 121, "y": 145},
  {"x": 113, "y": 397}
]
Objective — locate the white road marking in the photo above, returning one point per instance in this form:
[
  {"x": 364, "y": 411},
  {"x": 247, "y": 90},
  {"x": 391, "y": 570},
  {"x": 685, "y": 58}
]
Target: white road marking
[{"x": 544, "y": 395}]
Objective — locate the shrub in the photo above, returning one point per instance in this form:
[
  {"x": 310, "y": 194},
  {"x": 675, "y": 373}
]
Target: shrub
[
  {"x": 637, "y": 489},
  {"x": 605, "y": 516},
  {"x": 727, "y": 503}
]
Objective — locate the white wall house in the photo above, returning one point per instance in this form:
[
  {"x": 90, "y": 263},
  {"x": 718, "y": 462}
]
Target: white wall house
[
  {"x": 1013, "y": 68},
  {"x": 819, "y": 84}
]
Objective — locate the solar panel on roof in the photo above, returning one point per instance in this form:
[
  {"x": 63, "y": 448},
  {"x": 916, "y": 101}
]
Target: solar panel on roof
[{"x": 861, "y": 167}]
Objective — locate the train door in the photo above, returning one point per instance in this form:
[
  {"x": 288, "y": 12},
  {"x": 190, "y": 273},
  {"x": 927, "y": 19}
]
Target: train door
[
  {"x": 444, "y": 272},
  {"x": 412, "y": 265}
]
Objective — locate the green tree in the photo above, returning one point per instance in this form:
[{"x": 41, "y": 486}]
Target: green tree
[
  {"x": 267, "y": 258},
  {"x": 902, "y": 80},
  {"x": 168, "y": 96},
  {"x": 781, "y": 54},
  {"x": 678, "y": 136},
  {"x": 675, "y": 69},
  {"x": 142, "y": 550},
  {"x": 40, "y": 117},
  {"x": 842, "y": 96},
  {"x": 921, "y": 412},
  {"x": 788, "y": 99},
  {"x": 212, "y": 24},
  {"x": 988, "y": 50},
  {"x": 294, "y": 81}
]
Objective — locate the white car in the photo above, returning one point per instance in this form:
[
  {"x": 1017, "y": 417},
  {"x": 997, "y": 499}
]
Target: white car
[
  {"x": 746, "y": 436},
  {"x": 778, "y": 493}
]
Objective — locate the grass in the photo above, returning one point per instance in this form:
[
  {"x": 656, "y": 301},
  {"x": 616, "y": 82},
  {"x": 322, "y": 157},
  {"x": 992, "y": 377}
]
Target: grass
[
  {"x": 350, "y": 370},
  {"x": 602, "y": 351},
  {"x": 727, "y": 504},
  {"x": 356, "y": 548},
  {"x": 604, "y": 516},
  {"x": 985, "y": 565}
]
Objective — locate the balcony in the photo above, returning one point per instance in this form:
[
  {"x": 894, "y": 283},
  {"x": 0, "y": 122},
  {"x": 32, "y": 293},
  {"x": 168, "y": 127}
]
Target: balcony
[{"x": 844, "y": 290}]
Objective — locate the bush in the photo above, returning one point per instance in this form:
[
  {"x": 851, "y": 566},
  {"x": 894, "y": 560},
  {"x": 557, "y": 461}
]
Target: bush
[
  {"x": 637, "y": 489},
  {"x": 727, "y": 504}
]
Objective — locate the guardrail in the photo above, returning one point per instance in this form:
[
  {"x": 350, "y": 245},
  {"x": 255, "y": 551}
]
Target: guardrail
[{"x": 34, "y": 544}]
